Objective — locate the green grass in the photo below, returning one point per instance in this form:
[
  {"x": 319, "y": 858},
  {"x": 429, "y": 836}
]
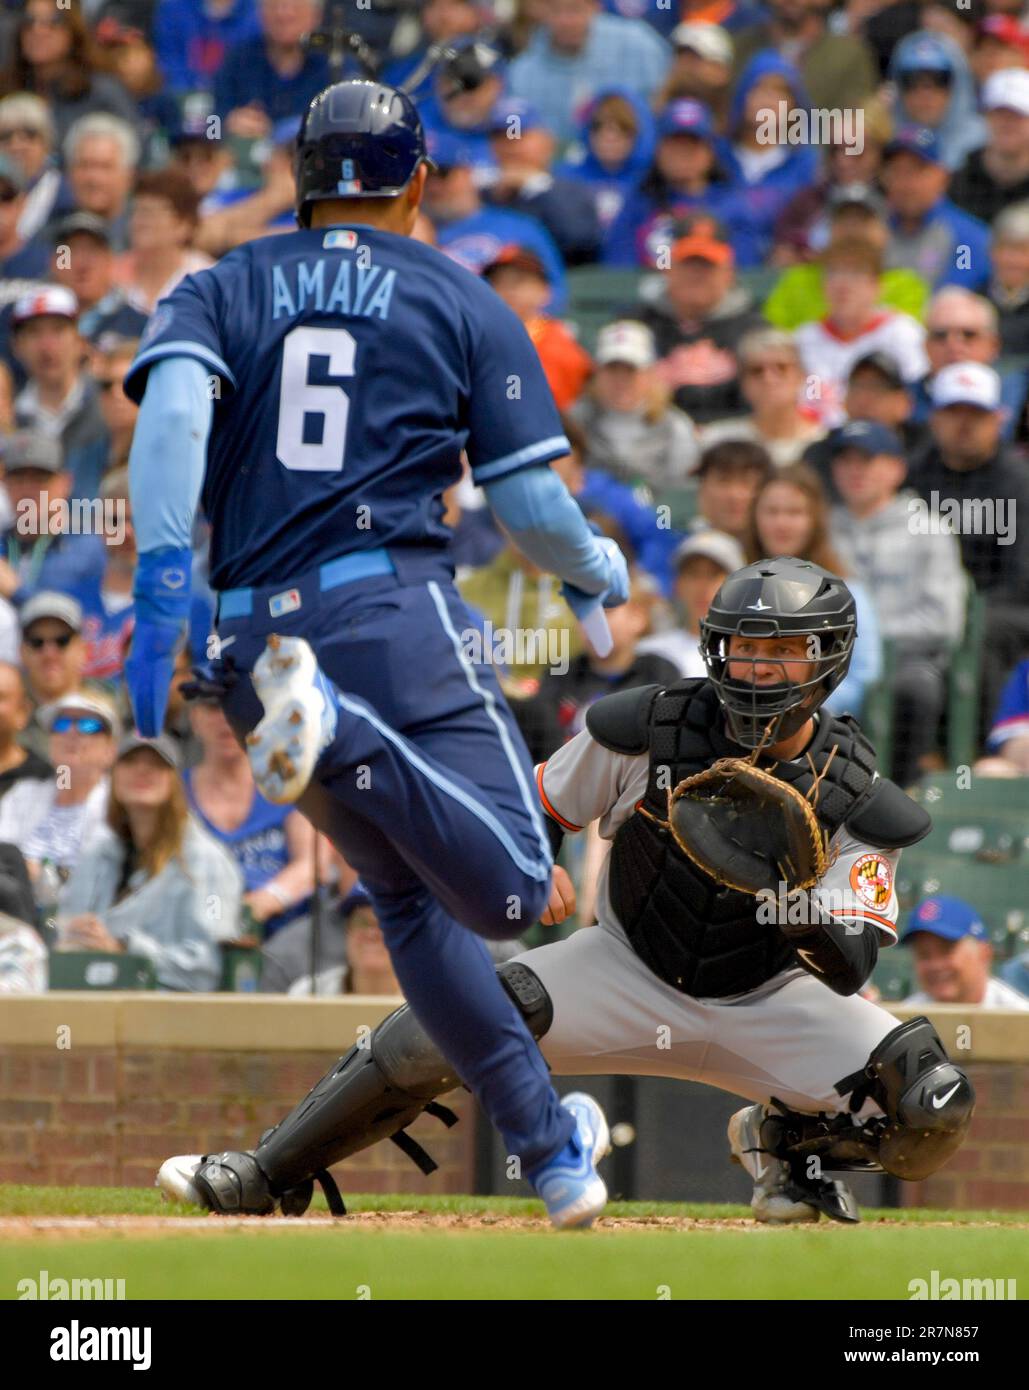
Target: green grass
[{"x": 347, "y": 1261}]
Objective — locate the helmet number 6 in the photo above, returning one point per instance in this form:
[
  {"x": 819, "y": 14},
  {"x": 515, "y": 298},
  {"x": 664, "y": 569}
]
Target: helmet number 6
[{"x": 300, "y": 400}]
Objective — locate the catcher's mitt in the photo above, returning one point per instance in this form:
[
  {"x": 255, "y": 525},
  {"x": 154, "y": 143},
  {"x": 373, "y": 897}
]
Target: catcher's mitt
[{"x": 748, "y": 829}]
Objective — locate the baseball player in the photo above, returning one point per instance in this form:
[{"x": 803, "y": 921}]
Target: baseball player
[
  {"x": 313, "y": 392},
  {"x": 748, "y": 890}
]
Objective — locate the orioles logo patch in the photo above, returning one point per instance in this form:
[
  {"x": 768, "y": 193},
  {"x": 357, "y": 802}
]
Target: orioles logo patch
[{"x": 872, "y": 880}]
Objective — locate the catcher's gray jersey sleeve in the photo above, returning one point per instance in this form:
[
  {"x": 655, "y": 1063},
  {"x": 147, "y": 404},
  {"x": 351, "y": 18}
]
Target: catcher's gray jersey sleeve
[
  {"x": 858, "y": 887},
  {"x": 584, "y": 782}
]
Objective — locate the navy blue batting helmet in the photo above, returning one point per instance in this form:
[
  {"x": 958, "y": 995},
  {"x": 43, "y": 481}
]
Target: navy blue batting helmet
[{"x": 358, "y": 139}]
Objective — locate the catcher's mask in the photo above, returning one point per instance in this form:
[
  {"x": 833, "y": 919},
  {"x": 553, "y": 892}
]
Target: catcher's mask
[{"x": 783, "y": 597}]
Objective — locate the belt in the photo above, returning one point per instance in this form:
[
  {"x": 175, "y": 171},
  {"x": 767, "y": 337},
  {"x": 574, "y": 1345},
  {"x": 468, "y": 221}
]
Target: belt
[{"x": 363, "y": 564}]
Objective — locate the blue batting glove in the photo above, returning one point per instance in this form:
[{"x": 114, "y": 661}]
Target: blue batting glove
[
  {"x": 617, "y": 590},
  {"x": 161, "y": 595}
]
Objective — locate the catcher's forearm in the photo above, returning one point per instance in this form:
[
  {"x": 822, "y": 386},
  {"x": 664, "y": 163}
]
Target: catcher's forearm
[{"x": 833, "y": 951}]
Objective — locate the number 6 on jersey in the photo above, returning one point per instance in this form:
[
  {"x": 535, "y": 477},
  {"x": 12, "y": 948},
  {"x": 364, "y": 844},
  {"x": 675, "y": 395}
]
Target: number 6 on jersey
[{"x": 298, "y": 399}]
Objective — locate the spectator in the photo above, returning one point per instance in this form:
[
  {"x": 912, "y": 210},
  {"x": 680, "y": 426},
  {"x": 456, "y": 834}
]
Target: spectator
[
  {"x": 857, "y": 323},
  {"x": 273, "y": 845},
  {"x": 23, "y": 957},
  {"x": 964, "y": 327},
  {"x": 193, "y": 37},
  {"x": 968, "y": 469},
  {"x": 128, "y": 53},
  {"x": 442, "y": 22},
  {"x": 522, "y": 152},
  {"x": 702, "y": 564},
  {"x": 1008, "y": 739},
  {"x": 55, "y": 58},
  {"x": 997, "y": 173},
  {"x": 108, "y": 611},
  {"x": 367, "y": 968},
  {"x": 612, "y": 152},
  {"x": 558, "y": 712},
  {"x": 916, "y": 582},
  {"x": 474, "y": 235},
  {"x": 520, "y": 278},
  {"x": 952, "y": 957},
  {"x": 59, "y": 400},
  {"x": 1009, "y": 288},
  {"x": 100, "y": 155},
  {"x": 151, "y": 881},
  {"x": 53, "y": 820},
  {"x": 772, "y": 382},
  {"x": 1000, "y": 42},
  {"x": 838, "y": 69},
  {"x": 27, "y": 140},
  {"x": 207, "y": 162},
  {"x": 936, "y": 90},
  {"x": 701, "y": 69},
  {"x": 19, "y": 259},
  {"x": 84, "y": 264},
  {"x": 688, "y": 177},
  {"x": 767, "y": 174},
  {"x": 730, "y": 476},
  {"x": 293, "y": 952},
  {"x": 162, "y": 225},
  {"x": 575, "y": 51},
  {"x": 633, "y": 431},
  {"x": 53, "y": 657},
  {"x": 241, "y": 214},
  {"x": 467, "y": 87},
  {"x": 930, "y": 234},
  {"x": 16, "y": 762},
  {"x": 790, "y": 516},
  {"x": 41, "y": 551},
  {"x": 698, "y": 320},
  {"x": 271, "y": 76},
  {"x": 854, "y": 212}
]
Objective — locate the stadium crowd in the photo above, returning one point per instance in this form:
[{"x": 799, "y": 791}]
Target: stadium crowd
[{"x": 808, "y": 227}]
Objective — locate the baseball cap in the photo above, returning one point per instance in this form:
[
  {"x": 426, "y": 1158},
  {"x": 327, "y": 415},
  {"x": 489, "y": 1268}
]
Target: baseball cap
[
  {"x": 357, "y": 897},
  {"x": 519, "y": 257},
  {"x": 915, "y": 139},
  {"x": 1005, "y": 28},
  {"x": 708, "y": 41},
  {"x": 925, "y": 54},
  {"x": 686, "y": 117},
  {"x": 882, "y": 362},
  {"x": 947, "y": 917},
  {"x": 857, "y": 195},
  {"x": 966, "y": 383},
  {"x": 10, "y": 173},
  {"x": 718, "y": 546},
  {"x": 81, "y": 702},
  {"x": 448, "y": 150},
  {"x": 509, "y": 109},
  {"x": 53, "y": 300},
  {"x": 703, "y": 238},
  {"x": 1007, "y": 90},
  {"x": 868, "y": 436},
  {"x": 625, "y": 341},
  {"x": 48, "y": 603},
  {"x": 162, "y": 745},
  {"x": 30, "y": 449},
  {"x": 81, "y": 223}
]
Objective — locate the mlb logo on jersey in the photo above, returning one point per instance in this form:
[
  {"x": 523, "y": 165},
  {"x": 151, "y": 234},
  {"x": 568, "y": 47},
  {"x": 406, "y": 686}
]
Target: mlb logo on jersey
[
  {"x": 286, "y": 602},
  {"x": 339, "y": 240}
]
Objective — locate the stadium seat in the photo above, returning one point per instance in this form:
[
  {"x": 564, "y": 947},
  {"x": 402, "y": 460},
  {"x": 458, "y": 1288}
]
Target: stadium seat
[
  {"x": 894, "y": 973},
  {"x": 241, "y": 969},
  {"x": 877, "y": 712},
  {"x": 681, "y": 502},
  {"x": 596, "y": 295},
  {"x": 100, "y": 970},
  {"x": 999, "y": 892},
  {"x": 964, "y": 682},
  {"x": 945, "y": 796}
]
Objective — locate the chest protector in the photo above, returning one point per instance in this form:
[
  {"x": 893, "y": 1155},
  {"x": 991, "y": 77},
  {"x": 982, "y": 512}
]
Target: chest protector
[{"x": 695, "y": 934}]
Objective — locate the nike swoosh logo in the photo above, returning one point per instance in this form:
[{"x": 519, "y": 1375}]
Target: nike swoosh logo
[
  {"x": 940, "y": 1101},
  {"x": 806, "y": 955}
]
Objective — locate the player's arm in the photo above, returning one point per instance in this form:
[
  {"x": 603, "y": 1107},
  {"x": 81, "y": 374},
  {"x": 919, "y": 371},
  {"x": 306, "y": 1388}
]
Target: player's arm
[
  {"x": 514, "y": 431},
  {"x": 849, "y": 915}
]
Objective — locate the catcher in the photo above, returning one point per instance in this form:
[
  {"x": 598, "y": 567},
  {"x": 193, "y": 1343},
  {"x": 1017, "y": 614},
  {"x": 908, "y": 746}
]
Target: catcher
[{"x": 747, "y": 893}]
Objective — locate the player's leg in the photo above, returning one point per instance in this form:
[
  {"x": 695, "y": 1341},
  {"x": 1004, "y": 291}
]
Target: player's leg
[{"x": 837, "y": 1085}]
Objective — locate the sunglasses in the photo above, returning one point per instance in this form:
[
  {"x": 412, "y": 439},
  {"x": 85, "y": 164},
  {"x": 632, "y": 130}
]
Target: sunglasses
[
  {"x": 38, "y": 643},
  {"x": 81, "y": 724},
  {"x": 939, "y": 80},
  {"x": 967, "y": 335},
  {"x": 611, "y": 123}
]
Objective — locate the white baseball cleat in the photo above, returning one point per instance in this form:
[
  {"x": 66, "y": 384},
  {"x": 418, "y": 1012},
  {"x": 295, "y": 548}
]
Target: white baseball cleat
[
  {"x": 571, "y": 1188},
  {"x": 773, "y": 1198},
  {"x": 300, "y": 717},
  {"x": 175, "y": 1179}
]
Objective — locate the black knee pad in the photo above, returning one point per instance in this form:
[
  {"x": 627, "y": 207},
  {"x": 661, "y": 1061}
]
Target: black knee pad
[{"x": 531, "y": 998}]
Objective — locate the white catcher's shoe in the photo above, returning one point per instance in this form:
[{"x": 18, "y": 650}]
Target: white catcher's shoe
[
  {"x": 300, "y": 717},
  {"x": 772, "y": 1199},
  {"x": 175, "y": 1179}
]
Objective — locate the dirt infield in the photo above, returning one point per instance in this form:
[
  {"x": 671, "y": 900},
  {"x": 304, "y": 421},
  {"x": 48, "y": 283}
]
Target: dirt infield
[{"x": 17, "y": 1228}]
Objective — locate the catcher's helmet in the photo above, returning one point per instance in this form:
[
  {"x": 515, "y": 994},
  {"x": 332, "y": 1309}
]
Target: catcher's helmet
[
  {"x": 358, "y": 139},
  {"x": 778, "y": 598}
]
